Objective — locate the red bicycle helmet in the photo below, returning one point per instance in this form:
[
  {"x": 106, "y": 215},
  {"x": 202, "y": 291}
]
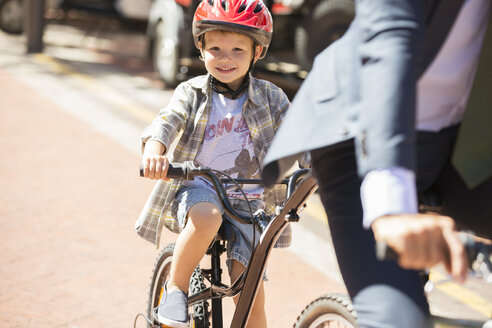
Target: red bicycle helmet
[{"x": 248, "y": 17}]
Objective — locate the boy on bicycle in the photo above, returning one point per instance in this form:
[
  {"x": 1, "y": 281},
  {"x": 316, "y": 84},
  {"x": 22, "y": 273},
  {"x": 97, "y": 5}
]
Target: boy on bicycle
[{"x": 228, "y": 119}]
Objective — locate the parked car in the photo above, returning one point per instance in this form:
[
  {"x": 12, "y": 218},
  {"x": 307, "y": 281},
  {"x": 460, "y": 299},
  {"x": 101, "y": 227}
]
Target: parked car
[
  {"x": 303, "y": 26},
  {"x": 12, "y": 13}
]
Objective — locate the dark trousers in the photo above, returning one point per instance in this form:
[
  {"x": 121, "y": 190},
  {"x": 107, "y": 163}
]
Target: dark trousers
[{"x": 384, "y": 294}]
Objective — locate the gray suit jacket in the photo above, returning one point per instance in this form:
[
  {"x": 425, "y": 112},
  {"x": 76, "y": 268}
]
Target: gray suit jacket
[{"x": 362, "y": 87}]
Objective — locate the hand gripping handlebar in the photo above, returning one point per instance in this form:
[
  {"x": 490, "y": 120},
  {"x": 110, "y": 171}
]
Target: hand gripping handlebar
[
  {"x": 183, "y": 171},
  {"x": 385, "y": 252}
]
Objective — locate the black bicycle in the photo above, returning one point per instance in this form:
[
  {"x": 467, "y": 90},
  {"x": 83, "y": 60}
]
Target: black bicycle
[
  {"x": 206, "y": 289},
  {"x": 320, "y": 312}
]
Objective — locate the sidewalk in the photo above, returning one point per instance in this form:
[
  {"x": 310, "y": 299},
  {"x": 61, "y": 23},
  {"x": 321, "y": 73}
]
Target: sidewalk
[{"x": 70, "y": 256}]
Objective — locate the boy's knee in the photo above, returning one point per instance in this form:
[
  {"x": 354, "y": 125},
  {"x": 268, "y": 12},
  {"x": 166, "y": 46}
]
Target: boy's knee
[{"x": 205, "y": 216}]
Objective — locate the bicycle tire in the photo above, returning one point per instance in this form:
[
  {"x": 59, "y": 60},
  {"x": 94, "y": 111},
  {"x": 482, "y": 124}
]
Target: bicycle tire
[
  {"x": 12, "y": 16},
  {"x": 165, "y": 56},
  {"x": 326, "y": 23},
  {"x": 327, "y": 309},
  {"x": 199, "y": 316}
]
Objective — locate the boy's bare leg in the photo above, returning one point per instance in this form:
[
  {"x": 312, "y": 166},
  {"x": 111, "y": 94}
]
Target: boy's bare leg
[
  {"x": 204, "y": 220},
  {"x": 257, "y": 318}
]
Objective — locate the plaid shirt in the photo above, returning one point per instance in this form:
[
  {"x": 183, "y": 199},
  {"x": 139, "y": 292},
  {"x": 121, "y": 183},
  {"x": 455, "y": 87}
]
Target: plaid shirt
[{"x": 188, "y": 113}]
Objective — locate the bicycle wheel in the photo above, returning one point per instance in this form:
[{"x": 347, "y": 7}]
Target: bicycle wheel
[
  {"x": 12, "y": 16},
  {"x": 199, "y": 314},
  {"x": 330, "y": 310},
  {"x": 325, "y": 24}
]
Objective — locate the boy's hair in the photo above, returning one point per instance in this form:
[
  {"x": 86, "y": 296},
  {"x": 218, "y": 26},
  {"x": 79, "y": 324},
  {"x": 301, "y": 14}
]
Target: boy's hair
[{"x": 248, "y": 17}]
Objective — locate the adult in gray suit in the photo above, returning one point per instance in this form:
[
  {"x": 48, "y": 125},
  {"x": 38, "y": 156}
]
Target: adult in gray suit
[{"x": 380, "y": 114}]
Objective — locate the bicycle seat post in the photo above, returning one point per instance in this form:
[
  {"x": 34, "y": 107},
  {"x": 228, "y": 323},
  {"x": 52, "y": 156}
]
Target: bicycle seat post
[{"x": 216, "y": 274}]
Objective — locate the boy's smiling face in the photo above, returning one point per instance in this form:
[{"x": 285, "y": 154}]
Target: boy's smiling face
[{"x": 227, "y": 56}]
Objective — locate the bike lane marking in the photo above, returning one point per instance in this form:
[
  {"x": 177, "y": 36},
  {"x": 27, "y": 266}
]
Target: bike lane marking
[
  {"x": 107, "y": 94},
  {"x": 461, "y": 293}
]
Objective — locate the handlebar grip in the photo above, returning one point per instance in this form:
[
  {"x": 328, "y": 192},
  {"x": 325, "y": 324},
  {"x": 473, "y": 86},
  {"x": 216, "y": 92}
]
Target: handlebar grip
[
  {"x": 385, "y": 252},
  {"x": 184, "y": 171},
  {"x": 174, "y": 171}
]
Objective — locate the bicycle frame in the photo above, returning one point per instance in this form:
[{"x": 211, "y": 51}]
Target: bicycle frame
[{"x": 247, "y": 284}]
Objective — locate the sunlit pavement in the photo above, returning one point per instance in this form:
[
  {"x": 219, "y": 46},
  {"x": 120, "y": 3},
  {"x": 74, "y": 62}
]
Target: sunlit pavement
[
  {"x": 69, "y": 127},
  {"x": 69, "y": 173}
]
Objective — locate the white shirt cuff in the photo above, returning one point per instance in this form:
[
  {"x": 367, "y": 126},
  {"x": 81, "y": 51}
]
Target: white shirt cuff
[{"x": 388, "y": 191}]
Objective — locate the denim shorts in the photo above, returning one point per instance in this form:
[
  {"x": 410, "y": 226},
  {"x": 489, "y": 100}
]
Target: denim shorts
[{"x": 239, "y": 236}]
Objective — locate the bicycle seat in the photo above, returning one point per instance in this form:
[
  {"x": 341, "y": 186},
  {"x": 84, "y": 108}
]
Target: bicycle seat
[{"x": 223, "y": 234}]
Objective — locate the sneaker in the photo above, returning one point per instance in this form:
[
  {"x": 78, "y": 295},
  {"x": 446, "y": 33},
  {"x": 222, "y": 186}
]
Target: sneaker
[{"x": 173, "y": 309}]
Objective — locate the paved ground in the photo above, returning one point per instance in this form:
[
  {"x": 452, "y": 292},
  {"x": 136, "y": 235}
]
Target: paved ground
[
  {"x": 70, "y": 197},
  {"x": 69, "y": 125},
  {"x": 70, "y": 257}
]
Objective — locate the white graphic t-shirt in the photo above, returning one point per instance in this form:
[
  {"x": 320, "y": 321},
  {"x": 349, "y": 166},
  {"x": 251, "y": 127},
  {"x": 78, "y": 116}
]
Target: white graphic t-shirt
[{"x": 227, "y": 146}]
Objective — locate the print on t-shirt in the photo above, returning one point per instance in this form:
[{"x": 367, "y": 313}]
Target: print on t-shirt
[{"x": 227, "y": 145}]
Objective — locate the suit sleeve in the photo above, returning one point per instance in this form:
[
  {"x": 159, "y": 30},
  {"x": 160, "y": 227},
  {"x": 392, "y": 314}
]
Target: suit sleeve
[{"x": 389, "y": 54}]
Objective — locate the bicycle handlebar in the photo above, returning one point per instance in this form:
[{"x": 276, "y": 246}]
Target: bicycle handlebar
[
  {"x": 385, "y": 252},
  {"x": 188, "y": 170},
  {"x": 184, "y": 171},
  {"x": 430, "y": 201}
]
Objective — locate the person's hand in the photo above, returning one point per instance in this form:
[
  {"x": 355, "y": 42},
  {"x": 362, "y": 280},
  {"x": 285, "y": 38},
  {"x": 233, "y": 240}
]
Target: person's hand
[
  {"x": 422, "y": 241},
  {"x": 155, "y": 167},
  {"x": 154, "y": 164}
]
